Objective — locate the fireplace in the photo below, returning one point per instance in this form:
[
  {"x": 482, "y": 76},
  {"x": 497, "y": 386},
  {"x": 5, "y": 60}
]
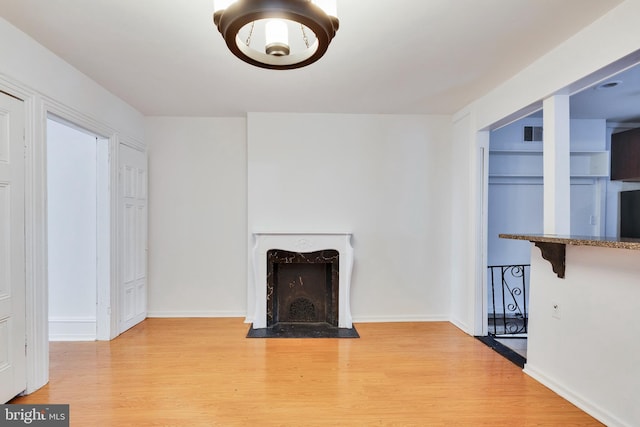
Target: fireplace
[{"x": 301, "y": 279}]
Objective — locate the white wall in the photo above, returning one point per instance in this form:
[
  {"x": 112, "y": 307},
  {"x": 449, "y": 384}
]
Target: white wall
[
  {"x": 589, "y": 355},
  {"x": 378, "y": 177},
  {"x": 466, "y": 156},
  {"x": 71, "y": 191},
  {"x": 197, "y": 216}
]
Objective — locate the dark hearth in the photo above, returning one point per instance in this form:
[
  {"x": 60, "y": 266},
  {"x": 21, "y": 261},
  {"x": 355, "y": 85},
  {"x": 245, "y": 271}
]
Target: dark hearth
[
  {"x": 302, "y": 295},
  {"x": 303, "y": 330}
]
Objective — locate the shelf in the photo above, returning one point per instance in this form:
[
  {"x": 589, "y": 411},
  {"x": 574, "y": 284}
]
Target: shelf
[{"x": 529, "y": 163}]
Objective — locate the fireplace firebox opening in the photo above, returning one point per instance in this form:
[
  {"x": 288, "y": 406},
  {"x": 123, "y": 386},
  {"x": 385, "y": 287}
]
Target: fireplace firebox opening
[{"x": 302, "y": 288}]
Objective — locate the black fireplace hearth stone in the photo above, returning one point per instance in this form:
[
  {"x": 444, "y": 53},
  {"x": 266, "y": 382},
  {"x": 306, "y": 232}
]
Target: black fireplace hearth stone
[{"x": 302, "y": 330}]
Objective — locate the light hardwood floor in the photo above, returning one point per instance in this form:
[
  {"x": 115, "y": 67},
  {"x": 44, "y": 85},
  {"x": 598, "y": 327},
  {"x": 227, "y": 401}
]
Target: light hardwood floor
[{"x": 204, "y": 372}]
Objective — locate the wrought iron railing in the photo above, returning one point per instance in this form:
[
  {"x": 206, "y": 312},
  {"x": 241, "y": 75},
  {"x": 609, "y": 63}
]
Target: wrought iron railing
[{"x": 508, "y": 300}]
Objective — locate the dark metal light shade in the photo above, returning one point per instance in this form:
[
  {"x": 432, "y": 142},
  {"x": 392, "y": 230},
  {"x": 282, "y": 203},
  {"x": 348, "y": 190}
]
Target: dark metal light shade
[{"x": 242, "y": 12}]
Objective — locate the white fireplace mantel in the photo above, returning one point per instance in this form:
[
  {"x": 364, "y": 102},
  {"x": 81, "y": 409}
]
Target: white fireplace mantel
[{"x": 301, "y": 242}]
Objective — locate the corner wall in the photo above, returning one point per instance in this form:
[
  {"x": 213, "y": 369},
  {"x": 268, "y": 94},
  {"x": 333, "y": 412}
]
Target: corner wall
[
  {"x": 40, "y": 71},
  {"x": 197, "y": 216}
]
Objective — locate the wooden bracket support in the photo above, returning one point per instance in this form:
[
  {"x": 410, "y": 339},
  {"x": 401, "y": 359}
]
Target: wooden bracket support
[{"x": 554, "y": 253}]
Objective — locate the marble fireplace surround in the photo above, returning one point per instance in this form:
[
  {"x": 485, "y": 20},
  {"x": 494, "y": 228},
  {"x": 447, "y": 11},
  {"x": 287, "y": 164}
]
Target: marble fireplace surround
[{"x": 302, "y": 242}]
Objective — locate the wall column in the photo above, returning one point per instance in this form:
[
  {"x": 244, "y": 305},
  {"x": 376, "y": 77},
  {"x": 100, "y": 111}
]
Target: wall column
[{"x": 557, "y": 185}]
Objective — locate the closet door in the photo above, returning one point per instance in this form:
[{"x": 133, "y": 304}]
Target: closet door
[{"x": 133, "y": 237}]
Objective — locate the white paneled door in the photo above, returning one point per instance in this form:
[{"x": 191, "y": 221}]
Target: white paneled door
[
  {"x": 12, "y": 256},
  {"x": 133, "y": 237}
]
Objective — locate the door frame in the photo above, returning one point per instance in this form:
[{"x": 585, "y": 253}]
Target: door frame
[
  {"x": 36, "y": 301},
  {"x": 104, "y": 207},
  {"x": 107, "y": 302},
  {"x": 481, "y": 178},
  {"x": 37, "y": 109}
]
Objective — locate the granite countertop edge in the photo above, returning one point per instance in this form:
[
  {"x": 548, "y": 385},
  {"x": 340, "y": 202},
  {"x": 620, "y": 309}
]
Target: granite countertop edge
[{"x": 604, "y": 242}]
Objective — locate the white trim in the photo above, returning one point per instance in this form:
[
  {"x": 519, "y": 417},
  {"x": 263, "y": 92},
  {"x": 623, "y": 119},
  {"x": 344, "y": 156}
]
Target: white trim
[
  {"x": 114, "y": 307},
  {"x": 402, "y": 318},
  {"x": 72, "y": 329},
  {"x": 107, "y": 286},
  {"x": 104, "y": 263},
  {"x": 242, "y": 314},
  {"x": 75, "y": 119},
  {"x": 187, "y": 314},
  {"x": 36, "y": 302},
  {"x": 461, "y": 325},
  {"x": 134, "y": 143},
  {"x": 36, "y": 248},
  {"x": 480, "y": 308},
  {"x": 576, "y": 398}
]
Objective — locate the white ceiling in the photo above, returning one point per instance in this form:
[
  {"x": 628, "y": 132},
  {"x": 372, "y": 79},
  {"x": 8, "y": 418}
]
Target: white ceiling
[
  {"x": 165, "y": 57},
  {"x": 616, "y": 104}
]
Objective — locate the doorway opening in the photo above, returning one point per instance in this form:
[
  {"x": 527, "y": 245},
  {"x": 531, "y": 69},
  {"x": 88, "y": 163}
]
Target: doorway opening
[
  {"x": 515, "y": 206},
  {"x": 78, "y": 233}
]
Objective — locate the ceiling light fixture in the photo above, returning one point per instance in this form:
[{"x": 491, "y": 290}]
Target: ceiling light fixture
[
  {"x": 277, "y": 34},
  {"x": 609, "y": 85}
]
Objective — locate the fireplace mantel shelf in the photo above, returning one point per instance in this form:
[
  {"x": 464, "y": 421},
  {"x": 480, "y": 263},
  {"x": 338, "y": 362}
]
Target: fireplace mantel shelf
[
  {"x": 553, "y": 247},
  {"x": 295, "y": 234},
  {"x": 288, "y": 235}
]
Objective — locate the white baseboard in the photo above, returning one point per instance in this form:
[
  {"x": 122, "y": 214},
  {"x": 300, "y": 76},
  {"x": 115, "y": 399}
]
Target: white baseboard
[
  {"x": 586, "y": 405},
  {"x": 178, "y": 314},
  {"x": 400, "y": 318},
  {"x": 461, "y": 325},
  {"x": 72, "y": 329},
  {"x": 359, "y": 319}
]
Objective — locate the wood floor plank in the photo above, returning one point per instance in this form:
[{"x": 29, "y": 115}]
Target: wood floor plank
[{"x": 204, "y": 372}]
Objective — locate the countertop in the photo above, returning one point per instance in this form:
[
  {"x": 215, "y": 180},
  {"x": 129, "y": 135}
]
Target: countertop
[{"x": 604, "y": 242}]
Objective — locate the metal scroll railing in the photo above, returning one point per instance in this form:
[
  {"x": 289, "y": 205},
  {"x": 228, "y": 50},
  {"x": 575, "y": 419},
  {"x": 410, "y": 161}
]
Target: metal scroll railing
[{"x": 508, "y": 300}]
